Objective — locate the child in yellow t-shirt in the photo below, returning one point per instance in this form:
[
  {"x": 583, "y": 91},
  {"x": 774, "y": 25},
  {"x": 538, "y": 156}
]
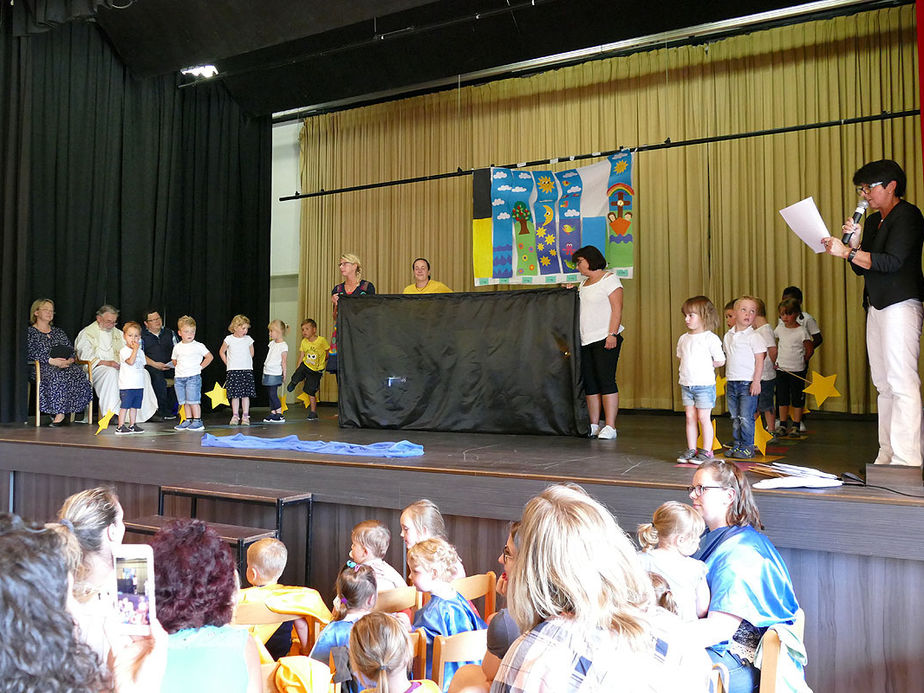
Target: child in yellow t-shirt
[
  {"x": 312, "y": 357},
  {"x": 266, "y": 559}
]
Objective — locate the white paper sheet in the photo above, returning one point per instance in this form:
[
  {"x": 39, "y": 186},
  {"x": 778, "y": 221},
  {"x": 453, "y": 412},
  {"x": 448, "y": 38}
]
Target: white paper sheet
[{"x": 806, "y": 222}]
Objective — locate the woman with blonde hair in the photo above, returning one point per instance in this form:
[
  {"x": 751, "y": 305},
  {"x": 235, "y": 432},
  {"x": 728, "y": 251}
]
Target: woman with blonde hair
[
  {"x": 353, "y": 284},
  {"x": 579, "y": 596}
]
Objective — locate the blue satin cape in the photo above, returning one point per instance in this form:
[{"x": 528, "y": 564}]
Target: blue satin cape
[{"x": 446, "y": 617}]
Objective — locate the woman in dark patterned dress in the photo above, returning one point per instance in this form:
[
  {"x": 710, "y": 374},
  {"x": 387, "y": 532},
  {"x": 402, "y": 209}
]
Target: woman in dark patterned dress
[{"x": 65, "y": 387}]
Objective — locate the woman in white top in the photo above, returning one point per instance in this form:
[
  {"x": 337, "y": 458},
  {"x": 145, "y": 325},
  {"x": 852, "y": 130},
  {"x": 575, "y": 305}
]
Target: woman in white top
[{"x": 601, "y": 341}]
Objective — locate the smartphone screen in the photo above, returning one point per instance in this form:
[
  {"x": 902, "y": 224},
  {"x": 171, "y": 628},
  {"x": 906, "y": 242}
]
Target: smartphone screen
[{"x": 134, "y": 593}]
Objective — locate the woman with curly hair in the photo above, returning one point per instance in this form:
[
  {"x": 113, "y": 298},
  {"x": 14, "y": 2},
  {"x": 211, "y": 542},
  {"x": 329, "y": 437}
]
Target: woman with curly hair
[{"x": 196, "y": 585}]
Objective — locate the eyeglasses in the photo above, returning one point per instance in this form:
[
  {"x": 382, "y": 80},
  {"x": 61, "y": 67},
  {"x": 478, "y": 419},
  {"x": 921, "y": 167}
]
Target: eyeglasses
[
  {"x": 699, "y": 489},
  {"x": 867, "y": 189},
  {"x": 506, "y": 555}
]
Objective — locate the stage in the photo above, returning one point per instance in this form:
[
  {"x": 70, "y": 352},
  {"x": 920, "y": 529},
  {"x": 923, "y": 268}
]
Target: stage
[{"x": 855, "y": 553}]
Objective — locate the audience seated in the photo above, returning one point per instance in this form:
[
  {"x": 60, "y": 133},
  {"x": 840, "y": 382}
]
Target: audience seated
[
  {"x": 422, "y": 520},
  {"x": 356, "y": 593},
  {"x": 748, "y": 579},
  {"x": 370, "y": 544},
  {"x": 432, "y": 563},
  {"x": 381, "y": 655},
  {"x": 196, "y": 585}
]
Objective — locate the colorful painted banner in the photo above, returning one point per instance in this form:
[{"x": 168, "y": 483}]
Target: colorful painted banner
[{"x": 527, "y": 224}]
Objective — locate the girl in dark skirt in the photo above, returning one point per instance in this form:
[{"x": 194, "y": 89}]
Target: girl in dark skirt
[{"x": 237, "y": 353}]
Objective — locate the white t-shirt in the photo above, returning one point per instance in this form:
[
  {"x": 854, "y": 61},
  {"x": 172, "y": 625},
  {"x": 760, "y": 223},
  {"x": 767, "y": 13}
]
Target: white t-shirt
[
  {"x": 765, "y": 332},
  {"x": 810, "y": 323},
  {"x": 238, "y": 353},
  {"x": 188, "y": 357},
  {"x": 595, "y": 308},
  {"x": 273, "y": 364},
  {"x": 740, "y": 350},
  {"x": 791, "y": 353},
  {"x": 696, "y": 353},
  {"x": 131, "y": 377}
]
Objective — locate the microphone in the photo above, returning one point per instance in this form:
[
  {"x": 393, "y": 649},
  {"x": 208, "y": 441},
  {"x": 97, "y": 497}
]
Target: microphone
[{"x": 862, "y": 205}]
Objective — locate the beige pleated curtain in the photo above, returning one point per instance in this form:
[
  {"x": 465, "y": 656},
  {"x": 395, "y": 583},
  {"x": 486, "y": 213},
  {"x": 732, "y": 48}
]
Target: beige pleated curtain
[{"x": 706, "y": 216}]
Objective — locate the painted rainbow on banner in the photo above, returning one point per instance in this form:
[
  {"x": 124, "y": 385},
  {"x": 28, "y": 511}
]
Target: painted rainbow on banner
[{"x": 527, "y": 224}]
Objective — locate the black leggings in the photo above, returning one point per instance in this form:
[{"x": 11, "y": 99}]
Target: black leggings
[{"x": 598, "y": 367}]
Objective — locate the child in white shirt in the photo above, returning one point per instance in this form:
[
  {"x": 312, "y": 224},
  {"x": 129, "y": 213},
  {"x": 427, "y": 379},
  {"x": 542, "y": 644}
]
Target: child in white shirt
[
  {"x": 745, "y": 353},
  {"x": 131, "y": 378}
]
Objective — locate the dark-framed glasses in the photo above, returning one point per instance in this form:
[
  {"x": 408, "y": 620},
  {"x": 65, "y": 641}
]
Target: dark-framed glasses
[
  {"x": 867, "y": 189},
  {"x": 699, "y": 489}
]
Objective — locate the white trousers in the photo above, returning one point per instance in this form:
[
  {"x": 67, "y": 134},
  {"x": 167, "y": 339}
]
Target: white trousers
[
  {"x": 106, "y": 384},
  {"x": 893, "y": 342}
]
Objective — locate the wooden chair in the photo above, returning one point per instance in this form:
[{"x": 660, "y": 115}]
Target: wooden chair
[
  {"x": 419, "y": 654},
  {"x": 770, "y": 644},
  {"x": 461, "y": 647},
  {"x": 38, "y": 385},
  {"x": 473, "y": 587},
  {"x": 718, "y": 678},
  {"x": 398, "y": 599}
]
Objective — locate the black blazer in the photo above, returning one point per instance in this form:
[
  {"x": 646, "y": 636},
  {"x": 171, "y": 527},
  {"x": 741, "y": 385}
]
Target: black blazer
[{"x": 895, "y": 251}]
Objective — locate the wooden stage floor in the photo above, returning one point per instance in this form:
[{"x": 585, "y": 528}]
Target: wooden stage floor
[{"x": 645, "y": 452}]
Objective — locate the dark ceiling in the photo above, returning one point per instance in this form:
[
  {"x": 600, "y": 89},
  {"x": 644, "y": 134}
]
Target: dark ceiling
[{"x": 276, "y": 55}]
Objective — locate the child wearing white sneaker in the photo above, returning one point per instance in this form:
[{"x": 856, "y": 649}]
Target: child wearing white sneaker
[
  {"x": 601, "y": 341},
  {"x": 274, "y": 369},
  {"x": 700, "y": 353},
  {"x": 189, "y": 358},
  {"x": 237, "y": 353},
  {"x": 131, "y": 378}
]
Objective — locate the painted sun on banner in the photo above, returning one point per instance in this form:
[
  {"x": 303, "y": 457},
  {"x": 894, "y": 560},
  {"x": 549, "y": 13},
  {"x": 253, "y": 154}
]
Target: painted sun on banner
[{"x": 527, "y": 224}]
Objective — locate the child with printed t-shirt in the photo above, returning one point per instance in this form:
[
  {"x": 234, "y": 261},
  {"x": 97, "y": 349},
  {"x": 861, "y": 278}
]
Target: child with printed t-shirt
[{"x": 312, "y": 358}]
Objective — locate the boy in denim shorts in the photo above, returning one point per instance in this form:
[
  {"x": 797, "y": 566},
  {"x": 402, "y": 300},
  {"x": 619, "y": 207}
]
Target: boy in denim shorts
[{"x": 189, "y": 358}]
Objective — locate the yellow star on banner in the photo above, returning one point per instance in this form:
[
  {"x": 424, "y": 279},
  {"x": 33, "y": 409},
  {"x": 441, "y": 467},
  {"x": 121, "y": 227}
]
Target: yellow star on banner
[
  {"x": 716, "y": 445},
  {"x": 284, "y": 407},
  {"x": 218, "y": 395},
  {"x": 306, "y": 400},
  {"x": 761, "y": 436},
  {"x": 181, "y": 412},
  {"x": 720, "y": 386},
  {"x": 104, "y": 422},
  {"x": 822, "y": 387}
]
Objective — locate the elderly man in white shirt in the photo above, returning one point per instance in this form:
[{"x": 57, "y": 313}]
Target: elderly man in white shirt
[{"x": 99, "y": 343}]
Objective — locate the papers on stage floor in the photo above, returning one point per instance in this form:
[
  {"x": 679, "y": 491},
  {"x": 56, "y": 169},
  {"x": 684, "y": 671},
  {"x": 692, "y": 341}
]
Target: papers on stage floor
[
  {"x": 797, "y": 482},
  {"x": 806, "y": 222},
  {"x": 795, "y": 470}
]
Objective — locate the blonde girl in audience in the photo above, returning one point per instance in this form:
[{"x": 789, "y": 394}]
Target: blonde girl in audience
[
  {"x": 381, "y": 654},
  {"x": 432, "y": 562},
  {"x": 668, "y": 541},
  {"x": 356, "y": 595},
  {"x": 274, "y": 369},
  {"x": 700, "y": 353},
  {"x": 422, "y": 520},
  {"x": 237, "y": 353}
]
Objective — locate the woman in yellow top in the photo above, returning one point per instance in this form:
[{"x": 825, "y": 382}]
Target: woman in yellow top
[{"x": 422, "y": 282}]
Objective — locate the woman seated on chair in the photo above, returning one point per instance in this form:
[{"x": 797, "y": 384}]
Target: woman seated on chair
[
  {"x": 196, "y": 585},
  {"x": 750, "y": 584},
  {"x": 64, "y": 387}
]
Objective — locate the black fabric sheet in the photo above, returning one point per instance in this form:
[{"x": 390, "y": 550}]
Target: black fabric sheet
[{"x": 505, "y": 362}]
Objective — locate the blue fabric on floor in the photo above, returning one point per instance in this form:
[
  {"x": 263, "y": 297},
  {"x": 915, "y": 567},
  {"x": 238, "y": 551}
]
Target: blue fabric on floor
[{"x": 402, "y": 448}]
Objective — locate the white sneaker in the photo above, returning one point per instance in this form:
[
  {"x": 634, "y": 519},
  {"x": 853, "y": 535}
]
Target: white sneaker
[
  {"x": 594, "y": 430},
  {"x": 607, "y": 433},
  {"x": 802, "y": 428}
]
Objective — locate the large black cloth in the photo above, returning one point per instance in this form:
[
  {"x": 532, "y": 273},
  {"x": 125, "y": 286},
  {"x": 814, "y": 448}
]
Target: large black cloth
[{"x": 505, "y": 362}]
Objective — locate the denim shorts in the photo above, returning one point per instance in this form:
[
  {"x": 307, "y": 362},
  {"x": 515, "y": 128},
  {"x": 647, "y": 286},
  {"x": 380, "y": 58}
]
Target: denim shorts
[
  {"x": 699, "y": 396},
  {"x": 188, "y": 390},
  {"x": 272, "y": 380},
  {"x": 131, "y": 399}
]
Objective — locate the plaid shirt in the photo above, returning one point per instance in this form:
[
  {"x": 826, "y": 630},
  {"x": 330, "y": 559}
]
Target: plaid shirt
[{"x": 561, "y": 656}]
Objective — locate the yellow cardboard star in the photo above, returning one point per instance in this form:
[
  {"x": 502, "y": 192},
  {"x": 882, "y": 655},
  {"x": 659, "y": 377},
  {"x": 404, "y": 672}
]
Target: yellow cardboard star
[
  {"x": 822, "y": 387},
  {"x": 218, "y": 395},
  {"x": 284, "y": 407},
  {"x": 181, "y": 412},
  {"x": 306, "y": 400},
  {"x": 761, "y": 436},
  {"x": 716, "y": 445},
  {"x": 104, "y": 422},
  {"x": 720, "y": 386}
]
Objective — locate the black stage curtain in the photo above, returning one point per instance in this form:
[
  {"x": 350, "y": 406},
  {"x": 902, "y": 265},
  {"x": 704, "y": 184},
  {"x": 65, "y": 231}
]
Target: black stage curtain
[
  {"x": 139, "y": 194},
  {"x": 506, "y": 362}
]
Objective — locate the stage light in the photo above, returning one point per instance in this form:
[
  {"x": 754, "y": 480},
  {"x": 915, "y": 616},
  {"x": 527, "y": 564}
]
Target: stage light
[{"x": 201, "y": 71}]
